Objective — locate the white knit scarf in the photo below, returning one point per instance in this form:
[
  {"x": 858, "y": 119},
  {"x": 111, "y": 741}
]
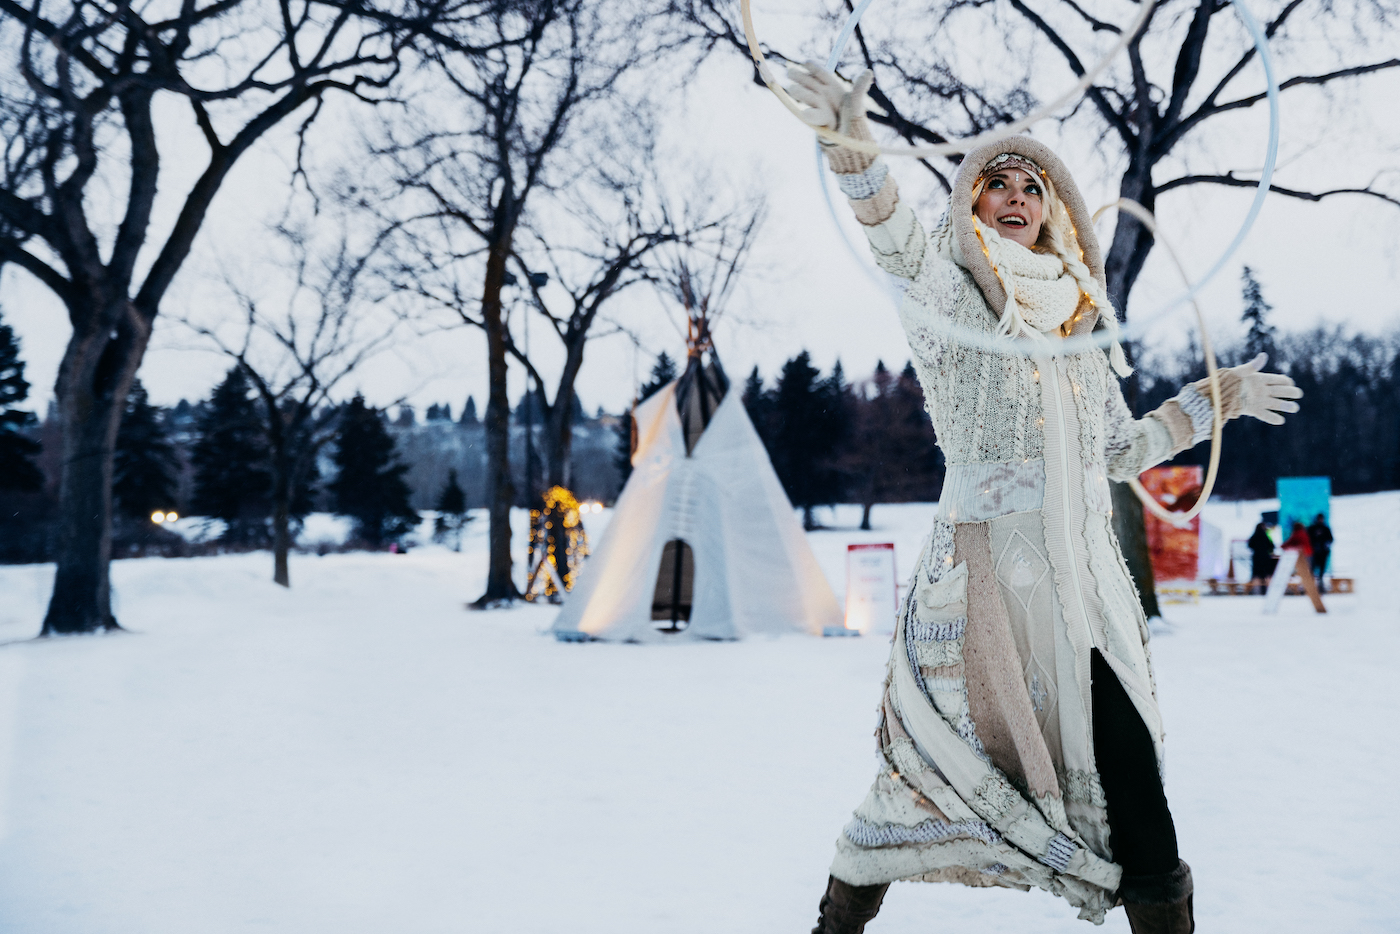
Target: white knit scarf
[{"x": 1041, "y": 294}]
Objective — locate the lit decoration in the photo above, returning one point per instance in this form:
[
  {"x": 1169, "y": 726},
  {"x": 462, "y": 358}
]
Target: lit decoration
[
  {"x": 558, "y": 544},
  {"x": 157, "y": 517},
  {"x": 171, "y": 516}
]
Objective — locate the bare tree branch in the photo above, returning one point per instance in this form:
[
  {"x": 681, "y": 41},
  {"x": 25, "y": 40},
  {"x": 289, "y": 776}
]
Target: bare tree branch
[{"x": 1229, "y": 180}]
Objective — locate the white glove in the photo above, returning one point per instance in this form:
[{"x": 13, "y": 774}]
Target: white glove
[
  {"x": 834, "y": 104},
  {"x": 838, "y": 106},
  {"x": 1247, "y": 390},
  {"x": 1265, "y": 395}
]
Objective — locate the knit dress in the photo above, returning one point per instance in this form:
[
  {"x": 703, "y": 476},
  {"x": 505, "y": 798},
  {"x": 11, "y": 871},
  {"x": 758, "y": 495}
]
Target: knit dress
[{"x": 987, "y": 772}]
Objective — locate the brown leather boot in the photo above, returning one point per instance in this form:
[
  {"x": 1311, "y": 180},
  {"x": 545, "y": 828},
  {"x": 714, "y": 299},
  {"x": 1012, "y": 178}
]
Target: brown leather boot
[
  {"x": 845, "y": 909},
  {"x": 1159, "y": 904}
]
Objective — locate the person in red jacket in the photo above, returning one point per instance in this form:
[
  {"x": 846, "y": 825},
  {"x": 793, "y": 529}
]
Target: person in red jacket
[{"x": 1298, "y": 540}]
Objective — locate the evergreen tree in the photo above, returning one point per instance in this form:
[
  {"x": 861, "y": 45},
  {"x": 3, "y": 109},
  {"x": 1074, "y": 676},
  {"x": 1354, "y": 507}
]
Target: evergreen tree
[
  {"x": 917, "y": 458},
  {"x": 469, "y": 412},
  {"x": 144, "y": 465},
  {"x": 1261, "y": 337},
  {"x": 891, "y": 455},
  {"x": 232, "y": 474},
  {"x": 839, "y": 400},
  {"x": 451, "y": 513},
  {"x": 369, "y": 487},
  {"x": 17, "y": 449},
  {"x": 407, "y": 417},
  {"x": 807, "y": 423},
  {"x": 523, "y": 409},
  {"x": 758, "y": 403},
  {"x": 663, "y": 372}
]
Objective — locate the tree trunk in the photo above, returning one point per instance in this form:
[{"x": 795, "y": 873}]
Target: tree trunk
[
  {"x": 865, "y": 516},
  {"x": 559, "y": 423},
  {"x": 281, "y": 545},
  {"x": 1132, "y": 242},
  {"x": 559, "y": 447},
  {"x": 500, "y": 588},
  {"x": 1131, "y": 531},
  {"x": 281, "y": 525},
  {"x": 97, "y": 371}
]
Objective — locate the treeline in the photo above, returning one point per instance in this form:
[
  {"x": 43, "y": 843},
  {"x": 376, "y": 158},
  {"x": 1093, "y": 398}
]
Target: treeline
[
  {"x": 832, "y": 441},
  {"x": 217, "y": 459},
  {"x": 260, "y": 470},
  {"x": 1349, "y": 424},
  {"x": 871, "y": 442}
]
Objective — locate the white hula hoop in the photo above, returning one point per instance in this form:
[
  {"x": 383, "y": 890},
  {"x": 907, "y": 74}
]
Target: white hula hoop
[
  {"x": 1005, "y": 345},
  {"x": 1140, "y": 322}
]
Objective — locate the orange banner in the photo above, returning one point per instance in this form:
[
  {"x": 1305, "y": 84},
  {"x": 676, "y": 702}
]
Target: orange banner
[{"x": 1175, "y": 552}]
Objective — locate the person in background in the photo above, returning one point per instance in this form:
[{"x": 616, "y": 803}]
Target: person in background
[
  {"x": 1298, "y": 541},
  {"x": 1320, "y": 536},
  {"x": 1261, "y": 550}
]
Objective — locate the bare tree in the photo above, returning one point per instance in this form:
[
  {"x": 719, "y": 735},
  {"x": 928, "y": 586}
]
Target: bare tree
[
  {"x": 934, "y": 82},
  {"x": 692, "y": 252},
  {"x": 502, "y": 132},
  {"x": 700, "y": 270},
  {"x": 78, "y": 114},
  {"x": 322, "y": 329}
]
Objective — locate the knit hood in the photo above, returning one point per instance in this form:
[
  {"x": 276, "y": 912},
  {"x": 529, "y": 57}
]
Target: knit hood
[{"x": 968, "y": 251}]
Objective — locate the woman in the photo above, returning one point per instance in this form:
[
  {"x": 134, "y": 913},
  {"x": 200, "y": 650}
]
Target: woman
[{"x": 1020, "y": 739}]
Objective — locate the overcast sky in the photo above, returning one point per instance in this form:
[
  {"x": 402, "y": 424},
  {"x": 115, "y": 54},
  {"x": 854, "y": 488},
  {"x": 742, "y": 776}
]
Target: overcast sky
[{"x": 1334, "y": 261}]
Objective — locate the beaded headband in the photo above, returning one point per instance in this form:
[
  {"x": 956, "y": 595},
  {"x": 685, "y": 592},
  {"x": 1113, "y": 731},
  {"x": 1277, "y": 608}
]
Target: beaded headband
[{"x": 1009, "y": 160}]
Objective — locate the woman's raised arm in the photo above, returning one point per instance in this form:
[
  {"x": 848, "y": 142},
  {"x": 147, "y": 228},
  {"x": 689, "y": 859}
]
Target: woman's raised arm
[{"x": 895, "y": 235}]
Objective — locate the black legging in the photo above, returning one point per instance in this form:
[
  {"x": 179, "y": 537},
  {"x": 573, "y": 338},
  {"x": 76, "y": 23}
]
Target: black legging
[{"x": 1140, "y": 826}]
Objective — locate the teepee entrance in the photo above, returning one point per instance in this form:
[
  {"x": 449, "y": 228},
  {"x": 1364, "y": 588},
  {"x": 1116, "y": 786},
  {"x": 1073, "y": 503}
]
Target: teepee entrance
[{"x": 675, "y": 587}]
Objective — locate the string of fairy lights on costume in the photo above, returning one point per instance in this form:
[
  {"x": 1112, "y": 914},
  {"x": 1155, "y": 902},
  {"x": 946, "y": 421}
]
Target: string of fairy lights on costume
[{"x": 1002, "y": 344}]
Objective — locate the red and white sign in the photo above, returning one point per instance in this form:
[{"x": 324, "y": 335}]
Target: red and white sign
[{"x": 871, "y": 594}]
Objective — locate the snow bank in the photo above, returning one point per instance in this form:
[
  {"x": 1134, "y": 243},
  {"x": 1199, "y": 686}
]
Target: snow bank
[{"x": 361, "y": 754}]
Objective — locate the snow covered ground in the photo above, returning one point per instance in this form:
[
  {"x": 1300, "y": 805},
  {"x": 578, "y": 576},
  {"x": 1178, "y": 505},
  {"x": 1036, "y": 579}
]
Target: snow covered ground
[{"x": 361, "y": 754}]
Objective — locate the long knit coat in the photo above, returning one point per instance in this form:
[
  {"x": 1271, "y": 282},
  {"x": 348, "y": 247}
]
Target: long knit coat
[{"x": 986, "y": 742}]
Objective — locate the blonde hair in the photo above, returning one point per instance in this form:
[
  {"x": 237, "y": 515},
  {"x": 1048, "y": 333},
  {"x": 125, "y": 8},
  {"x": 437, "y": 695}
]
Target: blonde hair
[{"x": 1057, "y": 237}]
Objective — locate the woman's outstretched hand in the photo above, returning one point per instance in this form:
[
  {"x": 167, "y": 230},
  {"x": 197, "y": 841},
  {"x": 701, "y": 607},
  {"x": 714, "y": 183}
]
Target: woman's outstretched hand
[
  {"x": 1261, "y": 395},
  {"x": 833, "y": 103}
]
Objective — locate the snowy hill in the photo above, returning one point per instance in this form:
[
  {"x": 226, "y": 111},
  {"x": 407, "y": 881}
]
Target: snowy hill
[{"x": 361, "y": 754}]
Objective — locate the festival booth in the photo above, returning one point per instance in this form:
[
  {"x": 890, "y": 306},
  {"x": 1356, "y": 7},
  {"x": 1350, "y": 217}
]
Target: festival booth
[{"x": 703, "y": 542}]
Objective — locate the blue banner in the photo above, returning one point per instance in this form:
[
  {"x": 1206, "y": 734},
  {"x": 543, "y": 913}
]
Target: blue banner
[{"x": 1301, "y": 499}]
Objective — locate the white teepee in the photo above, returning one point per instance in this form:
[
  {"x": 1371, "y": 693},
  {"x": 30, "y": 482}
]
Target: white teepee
[{"x": 749, "y": 569}]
